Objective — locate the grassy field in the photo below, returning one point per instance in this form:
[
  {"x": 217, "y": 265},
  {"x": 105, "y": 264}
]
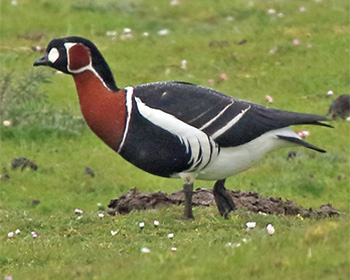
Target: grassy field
[{"x": 295, "y": 51}]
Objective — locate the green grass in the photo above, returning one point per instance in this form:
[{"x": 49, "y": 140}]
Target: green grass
[{"x": 297, "y": 77}]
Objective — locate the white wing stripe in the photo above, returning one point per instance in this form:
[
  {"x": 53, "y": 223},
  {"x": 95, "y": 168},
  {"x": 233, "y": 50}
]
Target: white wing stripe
[
  {"x": 196, "y": 142},
  {"x": 230, "y": 124},
  {"x": 129, "y": 93},
  {"x": 214, "y": 119}
]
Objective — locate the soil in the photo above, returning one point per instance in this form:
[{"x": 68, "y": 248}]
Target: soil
[
  {"x": 340, "y": 108},
  {"x": 23, "y": 163},
  {"x": 247, "y": 201},
  {"x": 89, "y": 172}
]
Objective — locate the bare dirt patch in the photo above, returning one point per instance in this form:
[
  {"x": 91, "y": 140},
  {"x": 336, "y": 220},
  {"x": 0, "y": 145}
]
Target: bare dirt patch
[
  {"x": 22, "y": 163},
  {"x": 247, "y": 201},
  {"x": 340, "y": 107}
]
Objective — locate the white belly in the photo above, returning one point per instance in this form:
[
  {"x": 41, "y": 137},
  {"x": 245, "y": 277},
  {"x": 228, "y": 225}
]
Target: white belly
[{"x": 233, "y": 160}]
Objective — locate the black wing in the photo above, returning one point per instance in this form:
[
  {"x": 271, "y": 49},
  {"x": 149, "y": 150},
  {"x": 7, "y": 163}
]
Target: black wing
[{"x": 231, "y": 122}]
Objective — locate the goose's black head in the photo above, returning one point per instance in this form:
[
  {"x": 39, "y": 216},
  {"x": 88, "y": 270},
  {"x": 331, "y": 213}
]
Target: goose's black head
[{"x": 74, "y": 55}]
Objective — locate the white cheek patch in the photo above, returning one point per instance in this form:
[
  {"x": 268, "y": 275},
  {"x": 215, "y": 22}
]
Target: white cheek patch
[{"x": 53, "y": 55}]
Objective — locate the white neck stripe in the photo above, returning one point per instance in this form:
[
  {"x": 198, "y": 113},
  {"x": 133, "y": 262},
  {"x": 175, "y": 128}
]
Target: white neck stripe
[{"x": 129, "y": 94}]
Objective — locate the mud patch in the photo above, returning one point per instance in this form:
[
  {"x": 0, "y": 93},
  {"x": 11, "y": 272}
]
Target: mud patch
[
  {"x": 22, "y": 163},
  {"x": 247, "y": 201},
  {"x": 340, "y": 108},
  {"x": 90, "y": 172}
]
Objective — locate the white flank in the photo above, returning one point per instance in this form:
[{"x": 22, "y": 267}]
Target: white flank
[
  {"x": 230, "y": 124},
  {"x": 129, "y": 93},
  {"x": 232, "y": 160},
  {"x": 214, "y": 119},
  {"x": 201, "y": 147}
]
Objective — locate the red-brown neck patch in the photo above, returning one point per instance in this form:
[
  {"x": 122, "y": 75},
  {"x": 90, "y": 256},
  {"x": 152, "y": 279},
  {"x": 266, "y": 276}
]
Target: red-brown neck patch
[
  {"x": 103, "y": 110},
  {"x": 79, "y": 57}
]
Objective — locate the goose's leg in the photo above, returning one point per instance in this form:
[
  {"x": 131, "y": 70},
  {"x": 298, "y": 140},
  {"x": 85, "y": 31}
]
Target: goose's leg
[
  {"x": 188, "y": 189},
  {"x": 223, "y": 200}
]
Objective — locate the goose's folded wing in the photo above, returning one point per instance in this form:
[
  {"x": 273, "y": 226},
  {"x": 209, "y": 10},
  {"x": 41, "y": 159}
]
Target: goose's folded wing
[{"x": 229, "y": 121}]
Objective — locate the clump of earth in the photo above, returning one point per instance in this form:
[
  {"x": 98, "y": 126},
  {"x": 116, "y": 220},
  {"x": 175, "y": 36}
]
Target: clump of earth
[
  {"x": 340, "y": 108},
  {"x": 22, "y": 163},
  {"x": 245, "y": 200}
]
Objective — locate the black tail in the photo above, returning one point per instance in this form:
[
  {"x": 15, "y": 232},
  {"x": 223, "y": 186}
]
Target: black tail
[
  {"x": 301, "y": 142},
  {"x": 292, "y": 118}
]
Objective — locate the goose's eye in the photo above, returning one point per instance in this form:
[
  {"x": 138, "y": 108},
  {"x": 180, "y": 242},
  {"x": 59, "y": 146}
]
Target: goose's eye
[{"x": 53, "y": 55}]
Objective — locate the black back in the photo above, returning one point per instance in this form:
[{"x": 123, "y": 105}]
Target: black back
[{"x": 197, "y": 105}]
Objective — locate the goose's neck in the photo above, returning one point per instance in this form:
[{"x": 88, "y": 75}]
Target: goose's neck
[{"x": 103, "y": 109}]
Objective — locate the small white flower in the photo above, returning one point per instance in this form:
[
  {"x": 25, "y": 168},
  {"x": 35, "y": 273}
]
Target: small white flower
[
  {"x": 170, "y": 235},
  {"x": 141, "y": 225},
  {"x": 127, "y": 30},
  {"x": 111, "y": 33},
  {"x": 280, "y": 15},
  {"x": 174, "y": 3},
  {"x": 174, "y": 249},
  {"x": 223, "y": 76},
  {"x": 302, "y": 9},
  {"x": 270, "y": 229},
  {"x": 38, "y": 48},
  {"x": 211, "y": 81},
  {"x": 183, "y": 64},
  {"x": 127, "y": 34},
  {"x": 234, "y": 245},
  {"x": 14, "y": 3},
  {"x": 269, "y": 98},
  {"x": 163, "y": 32},
  {"x": 271, "y": 11},
  {"x": 250, "y": 225},
  {"x": 244, "y": 240},
  {"x": 304, "y": 133},
  {"x": 145, "y": 250},
  {"x": 156, "y": 223},
  {"x": 300, "y": 217},
  {"x": 114, "y": 232},
  {"x": 348, "y": 119},
  {"x": 34, "y": 234},
  {"x": 145, "y": 34},
  {"x": 262, "y": 213},
  {"x": 330, "y": 92},
  {"x": 78, "y": 211},
  {"x": 10, "y": 234},
  {"x": 6, "y": 123},
  {"x": 296, "y": 42},
  {"x": 100, "y": 215},
  {"x": 17, "y": 231}
]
